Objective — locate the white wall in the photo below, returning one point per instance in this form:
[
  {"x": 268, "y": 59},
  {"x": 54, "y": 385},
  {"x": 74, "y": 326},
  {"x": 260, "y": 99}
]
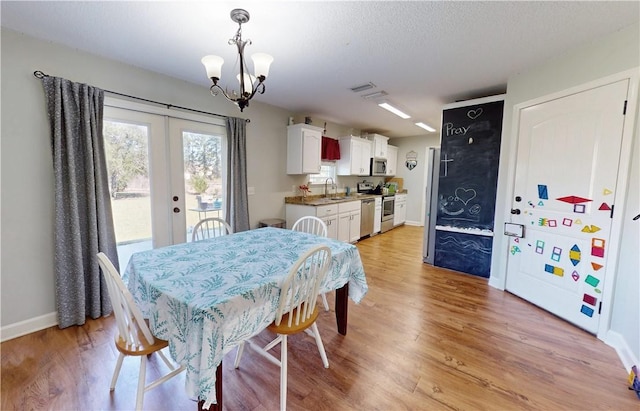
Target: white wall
[
  {"x": 611, "y": 54},
  {"x": 27, "y": 277},
  {"x": 414, "y": 180}
]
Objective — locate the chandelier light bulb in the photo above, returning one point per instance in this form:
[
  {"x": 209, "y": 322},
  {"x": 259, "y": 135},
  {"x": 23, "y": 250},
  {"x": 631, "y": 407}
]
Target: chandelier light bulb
[
  {"x": 261, "y": 64},
  {"x": 213, "y": 65}
]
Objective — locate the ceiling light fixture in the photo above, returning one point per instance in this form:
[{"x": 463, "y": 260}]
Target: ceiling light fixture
[
  {"x": 261, "y": 63},
  {"x": 385, "y": 105},
  {"x": 426, "y": 127}
]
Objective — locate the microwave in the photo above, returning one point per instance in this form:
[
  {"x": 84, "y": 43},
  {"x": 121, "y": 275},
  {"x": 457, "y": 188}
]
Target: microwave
[{"x": 378, "y": 167}]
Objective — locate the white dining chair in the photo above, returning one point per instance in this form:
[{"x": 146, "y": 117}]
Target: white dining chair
[
  {"x": 297, "y": 312},
  {"x": 313, "y": 225},
  {"x": 134, "y": 337},
  {"x": 209, "y": 228}
]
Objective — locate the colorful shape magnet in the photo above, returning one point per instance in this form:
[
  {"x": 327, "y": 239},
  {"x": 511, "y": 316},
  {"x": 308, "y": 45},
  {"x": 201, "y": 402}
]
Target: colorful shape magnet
[
  {"x": 575, "y": 255},
  {"x": 543, "y": 192},
  {"x": 575, "y": 276},
  {"x": 592, "y": 281},
  {"x": 596, "y": 266},
  {"x": 586, "y": 311},
  {"x": 597, "y": 247},
  {"x": 606, "y": 192},
  {"x": 573, "y": 199},
  {"x": 589, "y": 299},
  {"x": 590, "y": 229},
  {"x": 554, "y": 270}
]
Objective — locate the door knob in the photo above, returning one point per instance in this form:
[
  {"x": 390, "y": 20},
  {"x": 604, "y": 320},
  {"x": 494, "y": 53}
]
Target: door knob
[{"x": 515, "y": 211}]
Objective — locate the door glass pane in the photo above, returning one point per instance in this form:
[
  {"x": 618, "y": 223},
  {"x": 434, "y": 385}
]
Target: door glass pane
[
  {"x": 202, "y": 177},
  {"x": 127, "y": 154}
]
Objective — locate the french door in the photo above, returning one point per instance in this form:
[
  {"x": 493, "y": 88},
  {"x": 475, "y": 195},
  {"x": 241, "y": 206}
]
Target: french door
[
  {"x": 165, "y": 174},
  {"x": 569, "y": 152}
]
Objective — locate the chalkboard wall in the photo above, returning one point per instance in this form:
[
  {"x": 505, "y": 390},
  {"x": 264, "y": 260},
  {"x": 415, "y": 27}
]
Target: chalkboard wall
[
  {"x": 466, "y": 253},
  {"x": 469, "y": 156},
  {"x": 470, "y": 150}
]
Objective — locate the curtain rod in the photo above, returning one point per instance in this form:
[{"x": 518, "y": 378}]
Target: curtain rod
[{"x": 40, "y": 75}]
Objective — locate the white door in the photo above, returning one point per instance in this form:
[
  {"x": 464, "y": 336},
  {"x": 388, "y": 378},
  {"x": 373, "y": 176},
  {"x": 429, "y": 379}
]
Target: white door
[
  {"x": 565, "y": 182},
  {"x": 153, "y": 161},
  {"x": 198, "y": 181}
]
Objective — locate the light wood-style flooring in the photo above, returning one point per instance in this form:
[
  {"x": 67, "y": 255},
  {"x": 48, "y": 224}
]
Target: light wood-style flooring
[{"x": 423, "y": 338}]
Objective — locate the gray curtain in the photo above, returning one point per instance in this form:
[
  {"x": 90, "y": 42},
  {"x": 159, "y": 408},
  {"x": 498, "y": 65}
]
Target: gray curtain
[
  {"x": 83, "y": 219},
  {"x": 237, "y": 209}
]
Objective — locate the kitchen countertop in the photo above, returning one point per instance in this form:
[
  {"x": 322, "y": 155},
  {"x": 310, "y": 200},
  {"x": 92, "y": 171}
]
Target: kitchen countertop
[{"x": 320, "y": 200}]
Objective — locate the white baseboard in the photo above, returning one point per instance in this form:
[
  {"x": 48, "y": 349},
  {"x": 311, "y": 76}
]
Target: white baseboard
[
  {"x": 414, "y": 223},
  {"x": 626, "y": 355},
  {"x": 21, "y": 328}
]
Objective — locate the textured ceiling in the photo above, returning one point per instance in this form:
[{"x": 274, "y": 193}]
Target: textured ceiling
[{"x": 423, "y": 54}]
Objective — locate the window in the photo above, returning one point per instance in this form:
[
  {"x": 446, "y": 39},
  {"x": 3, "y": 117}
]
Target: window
[{"x": 327, "y": 170}]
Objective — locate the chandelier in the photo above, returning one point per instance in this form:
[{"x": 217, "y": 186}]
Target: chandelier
[{"x": 249, "y": 84}]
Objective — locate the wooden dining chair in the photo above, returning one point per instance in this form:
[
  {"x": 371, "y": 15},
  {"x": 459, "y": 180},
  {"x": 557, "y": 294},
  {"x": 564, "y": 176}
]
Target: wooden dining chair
[
  {"x": 209, "y": 228},
  {"x": 134, "y": 336},
  {"x": 313, "y": 225},
  {"x": 296, "y": 312}
]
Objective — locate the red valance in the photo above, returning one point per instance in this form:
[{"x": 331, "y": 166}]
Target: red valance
[{"x": 330, "y": 149}]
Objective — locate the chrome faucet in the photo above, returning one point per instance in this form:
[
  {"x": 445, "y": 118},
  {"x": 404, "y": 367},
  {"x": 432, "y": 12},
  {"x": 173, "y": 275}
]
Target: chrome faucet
[{"x": 333, "y": 185}]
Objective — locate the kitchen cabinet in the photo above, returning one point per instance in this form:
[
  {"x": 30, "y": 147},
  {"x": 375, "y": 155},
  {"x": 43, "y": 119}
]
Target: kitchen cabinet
[
  {"x": 378, "y": 146},
  {"x": 377, "y": 215},
  {"x": 400, "y": 209},
  {"x": 392, "y": 160},
  {"x": 342, "y": 219},
  {"x": 354, "y": 156},
  {"x": 304, "y": 146},
  {"x": 349, "y": 221}
]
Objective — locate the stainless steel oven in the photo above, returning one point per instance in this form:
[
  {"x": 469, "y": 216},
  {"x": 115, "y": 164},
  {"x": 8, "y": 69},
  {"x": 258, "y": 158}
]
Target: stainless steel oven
[{"x": 388, "y": 203}]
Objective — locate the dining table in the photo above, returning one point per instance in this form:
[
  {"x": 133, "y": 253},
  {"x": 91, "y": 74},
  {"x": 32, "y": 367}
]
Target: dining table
[{"x": 207, "y": 297}]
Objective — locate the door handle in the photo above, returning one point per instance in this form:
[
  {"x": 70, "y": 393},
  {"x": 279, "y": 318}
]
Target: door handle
[{"x": 515, "y": 211}]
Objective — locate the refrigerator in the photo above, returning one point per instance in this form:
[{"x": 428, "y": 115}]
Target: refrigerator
[{"x": 431, "y": 205}]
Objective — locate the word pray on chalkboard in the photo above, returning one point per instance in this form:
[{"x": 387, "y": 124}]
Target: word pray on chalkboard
[{"x": 452, "y": 130}]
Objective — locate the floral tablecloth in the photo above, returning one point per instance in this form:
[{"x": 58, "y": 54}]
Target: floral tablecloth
[{"x": 206, "y": 297}]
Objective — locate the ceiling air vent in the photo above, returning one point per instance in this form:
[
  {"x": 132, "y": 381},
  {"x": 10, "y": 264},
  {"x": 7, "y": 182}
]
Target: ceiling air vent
[
  {"x": 363, "y": 87},
  {"x": 373, "y": 95}
]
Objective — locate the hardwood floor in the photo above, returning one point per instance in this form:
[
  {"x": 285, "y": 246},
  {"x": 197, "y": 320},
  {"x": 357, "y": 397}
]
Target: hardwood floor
[{"x": 422, "y": 339}]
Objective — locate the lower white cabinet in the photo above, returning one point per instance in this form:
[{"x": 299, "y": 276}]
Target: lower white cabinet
[
  {"x": 342, "y": 219},
  {"x": 400, "y": 209},
  {"x": 349, "y": 221},
  {"x": 377, "y": 215}
]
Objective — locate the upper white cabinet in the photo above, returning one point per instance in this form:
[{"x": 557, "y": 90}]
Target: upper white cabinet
[
  {"x": 379, "y": 146},
  {"x": 304, "y": 144},
  {"x": 355, "y": 153},
  {"x": 392, "y": 160}
]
